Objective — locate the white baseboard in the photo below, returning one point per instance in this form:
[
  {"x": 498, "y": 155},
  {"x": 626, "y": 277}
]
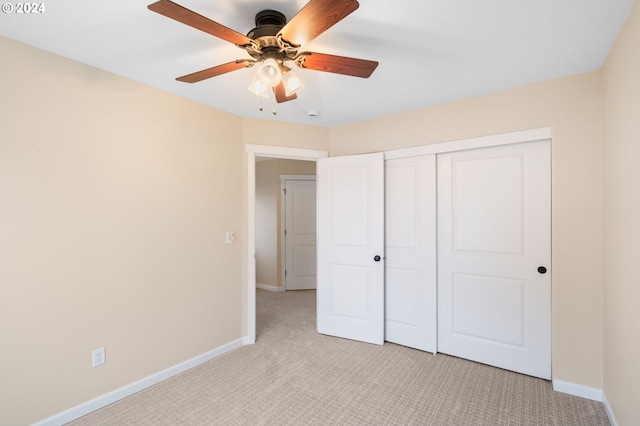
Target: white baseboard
[
  {"x": 247, "y": 341},
  {"x": 577, "y": 390},
  {"x": 609, "y": 410},
  {"x": 111, "y": 397},
  {"x": 269, "y": 287}
]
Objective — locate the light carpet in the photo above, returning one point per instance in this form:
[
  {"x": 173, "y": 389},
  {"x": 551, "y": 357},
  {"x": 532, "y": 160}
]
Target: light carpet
[{"x": 295, "y": 376}]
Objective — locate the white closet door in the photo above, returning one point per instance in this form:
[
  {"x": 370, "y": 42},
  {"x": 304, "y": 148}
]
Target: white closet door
[
  {"x": 350, "y": 241},
  {"x": 494, "y": 233},
  {"x": 410, "y": 252}
]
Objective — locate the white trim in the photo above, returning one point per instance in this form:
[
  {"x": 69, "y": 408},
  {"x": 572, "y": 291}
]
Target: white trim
[
  {"x": 473, "y": 143},
  {"x": 284, "y": 152},
  {"x": 295, "y": 177},
  {"x": 251, "y": 247},
  {"x": 609, "y": 410},
  {"x": 577, "y": 390},
  {"x": 254, "y": 151},
  {"x": 127, "y": 390},
  {"x": 269, "y": 287}
]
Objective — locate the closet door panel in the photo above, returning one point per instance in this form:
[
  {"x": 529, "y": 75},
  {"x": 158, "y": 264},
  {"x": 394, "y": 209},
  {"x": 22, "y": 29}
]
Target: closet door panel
[
  {"x": 410, "y": 250},
  {"x": 494, "y": 232}
]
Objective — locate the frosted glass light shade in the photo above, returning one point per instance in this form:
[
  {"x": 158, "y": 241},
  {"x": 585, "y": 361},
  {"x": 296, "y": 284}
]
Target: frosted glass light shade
[
  {"x": 291, "y": 83},
  {"x": 258, "y": 87},
  {"x": 269, "y": 73}
]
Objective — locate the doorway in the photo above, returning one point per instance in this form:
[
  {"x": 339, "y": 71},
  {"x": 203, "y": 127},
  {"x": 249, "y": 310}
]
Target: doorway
[
  {"x": 270, "y": 152},
  {"x": 273, "y": 207}
]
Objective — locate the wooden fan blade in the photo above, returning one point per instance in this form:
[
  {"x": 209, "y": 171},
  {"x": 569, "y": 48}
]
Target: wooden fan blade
[
  {"x": 214, "y": 71},
  {"x": 280, "y": 93},
  {"x": 336, "y": 64},
  {"x": 188, "y": 17},
  {"x": 314, "y": 18}
]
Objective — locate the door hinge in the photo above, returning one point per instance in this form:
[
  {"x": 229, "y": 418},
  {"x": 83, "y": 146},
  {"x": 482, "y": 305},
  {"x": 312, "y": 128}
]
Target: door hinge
[
  {"x": 285, "y": 232},
  {"x": 285, "y": 272}
]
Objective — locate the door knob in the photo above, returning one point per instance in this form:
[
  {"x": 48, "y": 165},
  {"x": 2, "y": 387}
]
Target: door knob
[
  {"x": 542, "y": 269},
  {"x": 376, "y": 258}
]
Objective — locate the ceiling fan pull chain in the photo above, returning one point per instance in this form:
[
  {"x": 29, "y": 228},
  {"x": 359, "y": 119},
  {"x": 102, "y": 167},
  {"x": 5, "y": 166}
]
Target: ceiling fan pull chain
[{"x": 275, "y": 111}]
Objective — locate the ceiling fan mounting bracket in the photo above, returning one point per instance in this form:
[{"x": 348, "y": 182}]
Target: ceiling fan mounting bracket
[{"x": 270, "y": 17}]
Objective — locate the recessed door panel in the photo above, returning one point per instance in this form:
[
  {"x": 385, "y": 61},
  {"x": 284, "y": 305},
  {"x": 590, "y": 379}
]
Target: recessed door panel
[
  {"x": 348, "y": 204},
  {"x": 350, "y": 292},
  {"x": 472, "y": 294},
  {"x": 402, "y": 298},
  {"x": 487, "y": 204}
]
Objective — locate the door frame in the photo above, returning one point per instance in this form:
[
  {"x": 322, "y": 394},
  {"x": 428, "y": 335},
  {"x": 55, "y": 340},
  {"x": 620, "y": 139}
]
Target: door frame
[
  {"x": 283, "y": 205},
  {"x": 531, "y": 135},
  {"x": 254, "y": 151}
]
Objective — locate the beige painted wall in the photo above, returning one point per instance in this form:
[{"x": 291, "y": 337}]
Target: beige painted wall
[
  {"x": 622, "y": 223},
  {"x": 115, "y": 199},
  {"x": 267, "y": 188},
  {"x": 572, "y": 106},
  {"x": 273, "y": 133}
]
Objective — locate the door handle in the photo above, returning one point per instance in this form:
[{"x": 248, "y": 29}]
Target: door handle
[
  {"x": 542, "y": 270},
  {"x": 376, "y": 258}
]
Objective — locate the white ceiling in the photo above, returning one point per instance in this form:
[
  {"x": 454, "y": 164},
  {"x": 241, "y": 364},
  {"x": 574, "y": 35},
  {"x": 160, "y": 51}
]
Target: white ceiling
[{"x": 430, "y": 51}]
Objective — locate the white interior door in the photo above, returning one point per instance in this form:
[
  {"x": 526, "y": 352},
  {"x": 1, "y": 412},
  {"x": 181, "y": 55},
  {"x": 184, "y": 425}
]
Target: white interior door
[
  {"x": 410, "y": 245},
  {"x": 300, "y": 234},
  {"x": 494, "y": 233},
  {"x": 350, "y": 242}
]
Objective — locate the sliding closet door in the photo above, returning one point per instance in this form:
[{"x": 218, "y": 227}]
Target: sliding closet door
[
  {"x": 350, "y": 294},
  {"x": 494, "y": 255},
  {"x": 410, "y": 250}
]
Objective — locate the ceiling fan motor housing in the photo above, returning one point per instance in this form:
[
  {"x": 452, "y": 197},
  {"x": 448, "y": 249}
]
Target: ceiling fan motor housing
[{"x": 268, "y": 24}]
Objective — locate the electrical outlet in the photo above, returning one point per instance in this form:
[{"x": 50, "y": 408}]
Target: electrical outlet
[
  {"x": 98, "y": 357},
  {"x": 230, "y": 237}
]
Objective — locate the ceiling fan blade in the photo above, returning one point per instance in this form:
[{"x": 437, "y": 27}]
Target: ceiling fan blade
[
  {"x": 336, "y": 64},
  {"x": 215, "y": 71},
  {"x": 280, "y": 93},
  {"x": 188, "y": 17},
  {"x": 314, "y": 18}
]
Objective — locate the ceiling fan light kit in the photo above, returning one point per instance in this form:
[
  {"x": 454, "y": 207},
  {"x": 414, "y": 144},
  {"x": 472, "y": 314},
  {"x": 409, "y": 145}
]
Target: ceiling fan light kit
[
  {"x": 291, "y": 82},
  {"x": 269, "y": 73},
  {"x": 274, "y": 45},
  {"x": 258, "y": 87}
]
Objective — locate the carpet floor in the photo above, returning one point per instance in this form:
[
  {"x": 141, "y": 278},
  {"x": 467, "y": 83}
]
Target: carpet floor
[{"x": 294, "y": 376}]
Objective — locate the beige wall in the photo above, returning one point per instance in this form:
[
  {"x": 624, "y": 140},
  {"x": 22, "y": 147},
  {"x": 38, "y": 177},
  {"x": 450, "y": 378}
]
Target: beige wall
[
  {"x": 273, "y": 133},
  {"x": 572, "y": 107},
  {"x": 269, "y": 216},
  {"x": 622, "y": 223},
  {"x": 115, "y": 202},
  {"x": 115, "y": 199}
]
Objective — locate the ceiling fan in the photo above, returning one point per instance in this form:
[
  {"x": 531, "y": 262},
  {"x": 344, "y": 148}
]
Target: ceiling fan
[{"x": 274, "y": 45}]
